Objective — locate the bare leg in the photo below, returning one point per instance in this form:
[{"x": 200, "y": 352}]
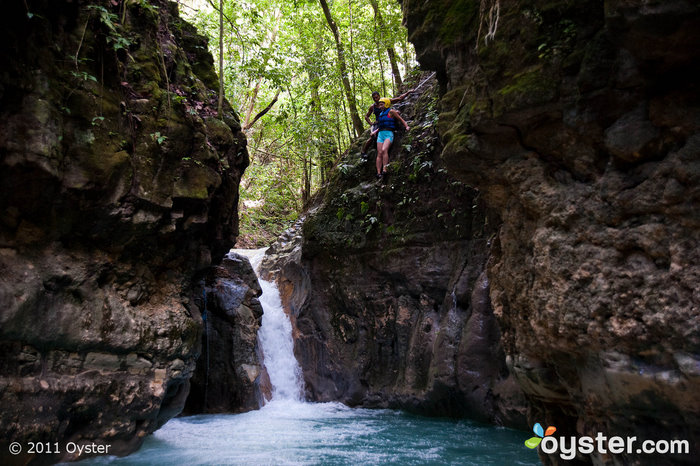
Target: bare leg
[
  {"x": 385, "y": 154},
  {"x": 367, "y": 145},
  {"x": 380, "y": 158}
]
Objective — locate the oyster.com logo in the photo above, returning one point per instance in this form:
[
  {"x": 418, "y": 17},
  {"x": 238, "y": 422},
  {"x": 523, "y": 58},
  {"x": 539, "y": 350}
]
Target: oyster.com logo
[
  {"x": 569, "y": 447},
  {"x": 533, "y": 442}
]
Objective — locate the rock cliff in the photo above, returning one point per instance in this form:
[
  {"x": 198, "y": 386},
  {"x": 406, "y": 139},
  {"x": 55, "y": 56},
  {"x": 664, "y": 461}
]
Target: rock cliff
[
  {"x": 119, "y": 185},
  {"x": 229, "y": 377},
  {"x": 579, "y": 123},
  {"x": 385, "y": 284}
]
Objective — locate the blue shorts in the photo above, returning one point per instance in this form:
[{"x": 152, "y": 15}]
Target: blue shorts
[{"x": 384, "y": 135}]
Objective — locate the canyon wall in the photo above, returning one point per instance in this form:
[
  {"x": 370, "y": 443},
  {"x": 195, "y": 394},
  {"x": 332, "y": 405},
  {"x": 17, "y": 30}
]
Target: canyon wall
[
  {"x": 579, "y": 124},
  {"x": 385, "y": 284},
  {"x": 119, "y": 191}
]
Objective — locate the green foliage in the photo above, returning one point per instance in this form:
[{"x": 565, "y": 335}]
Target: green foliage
[
  {"x": 159, "y": 138},
  {"x": 265, "y": 209},
  {"x": 364, "y": 207},
  {"x": 110, "y": 20},
  {"x": 370, "y": 222},
  {"x": 273, "y": 45},
  {"x": 119, "y": 42},
  {"x": 106, "y": 17},
  {"x": 83, "y": 75},
  {"x": 147, "y": 6},
  {"x": 345, "y": 169}
]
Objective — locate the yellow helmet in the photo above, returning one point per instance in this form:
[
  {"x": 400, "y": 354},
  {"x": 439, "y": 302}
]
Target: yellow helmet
[{"x": 387, "y": 102}]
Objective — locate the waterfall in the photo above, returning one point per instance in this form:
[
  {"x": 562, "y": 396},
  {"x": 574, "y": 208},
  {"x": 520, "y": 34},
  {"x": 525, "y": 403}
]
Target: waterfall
[
  {"x": 289, "y": 431},
  {"x": 275, "y": 337}
]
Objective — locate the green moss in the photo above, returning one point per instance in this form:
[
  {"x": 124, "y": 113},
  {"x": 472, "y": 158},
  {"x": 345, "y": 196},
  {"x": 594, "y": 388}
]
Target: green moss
[
  {"x": 532, "y": 86},
  {"x": 460, "y": 20},
  {"x": 480, "y": 106},
  {"x": 525, "y": 82},
  {"x": 84, "y": 137},
  {"x": 459, "y": 143},
  {"x": 445, "y": 123},
  {"x": 146, "y": 66},
  {"x": 495, "y": 56},
  {"x": 218, "y": 132},
  {"x": 453, "y": 98},
  {"x": 196, "y": 182}
]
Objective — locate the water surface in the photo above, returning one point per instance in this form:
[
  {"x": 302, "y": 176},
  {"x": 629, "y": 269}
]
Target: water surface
[{"x": 289, "y": 432}]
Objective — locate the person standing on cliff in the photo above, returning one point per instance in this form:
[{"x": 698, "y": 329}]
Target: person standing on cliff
[
  {"x": 386, "y": 125},
  {"x": 374, "y": 108}
]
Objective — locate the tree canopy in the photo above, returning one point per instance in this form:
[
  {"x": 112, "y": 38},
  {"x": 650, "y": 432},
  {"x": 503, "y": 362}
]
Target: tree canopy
[{"x": 300, "y": 74}]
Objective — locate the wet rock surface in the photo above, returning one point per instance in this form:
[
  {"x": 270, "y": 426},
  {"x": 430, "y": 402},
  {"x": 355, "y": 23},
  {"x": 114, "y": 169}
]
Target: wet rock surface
[
  {"x": 230, "y": 376},
  {"x": 119, "y": 184},
  {"x": 384, "y": 283},
  {"x": 579, "y": 122}
]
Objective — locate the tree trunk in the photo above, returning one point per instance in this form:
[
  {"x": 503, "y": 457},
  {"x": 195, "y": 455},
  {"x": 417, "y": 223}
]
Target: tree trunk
[
  {"x": 389, "y": 47},
  {"x": 306, "y": 190},
  {"x": 315, "y": 113},
  {"x": 352, "y": 52},
  {"x": 263, "y": 111},
  {"x": 271, "y": 39},
  {"x": 379, "y": 58},
  {"x": 221, "y": 59},
  {"x": 253, "y": 101},
  {"x": 354, "y": 115},
  {"x": 394, "y": 67}
]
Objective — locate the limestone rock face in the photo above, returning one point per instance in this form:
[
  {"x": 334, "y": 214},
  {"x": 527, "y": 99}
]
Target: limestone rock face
[
  {"x": 118, "y": 183},
  {"x": 579, "y": 122},
  {"x": 384, "y": 282}
]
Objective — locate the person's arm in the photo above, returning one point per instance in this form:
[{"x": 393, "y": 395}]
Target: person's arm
[
  {"x": 395, "y": 114},
  {"x": 369, "y": 112},
  {"x": 402, "y": 96}
]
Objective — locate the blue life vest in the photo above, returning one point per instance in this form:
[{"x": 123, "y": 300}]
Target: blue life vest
[{"x": 385, "y": 121}]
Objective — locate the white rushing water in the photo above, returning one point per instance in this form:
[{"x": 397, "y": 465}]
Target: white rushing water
[
  {"x": 275, "y": 337},
  {"x": 290, "y": 431}
]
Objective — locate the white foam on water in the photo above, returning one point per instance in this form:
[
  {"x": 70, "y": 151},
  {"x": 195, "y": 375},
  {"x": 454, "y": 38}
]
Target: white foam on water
[
  {"x": 290, "y": 431},
  {"x": 275, "y": 337}
]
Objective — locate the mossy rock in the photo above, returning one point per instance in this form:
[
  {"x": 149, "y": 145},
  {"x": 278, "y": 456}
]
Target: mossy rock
[
  {"x": 459, "y": 19},
  {"x": 202, "y": 151},
  {"x": 98, "y": 169},
  {"x": 459, "y": 145},
  {"x": 146, "y": 66},
  {"x": 232, "y": 119},
  {"x": 530, "y": 87},
  {"x": 218, "y": 132},
  {"x": 196, "y": 181}
]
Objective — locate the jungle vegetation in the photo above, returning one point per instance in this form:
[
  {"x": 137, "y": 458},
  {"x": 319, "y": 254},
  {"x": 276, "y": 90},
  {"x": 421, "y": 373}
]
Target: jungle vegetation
[{"x": 300, "y": 74}]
